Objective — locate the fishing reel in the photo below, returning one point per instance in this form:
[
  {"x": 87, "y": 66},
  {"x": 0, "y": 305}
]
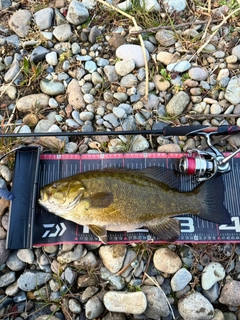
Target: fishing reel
[{"x": 204, "y": 165}]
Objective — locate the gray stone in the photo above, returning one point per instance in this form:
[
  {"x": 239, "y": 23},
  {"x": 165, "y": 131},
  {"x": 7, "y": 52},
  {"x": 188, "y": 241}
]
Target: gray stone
[
  {"x": 90, "y": 66},
  {"x": 130, "y": 256},
  {"x": 43, "y": 18},
  {"x": 74, "y": 306},
  {"x": 77, "y": 13},
  {"x": 232, "y": 93},
  {"x": 94, "y": 308},
  {"x": 212, "y": 293},
  {"x": 195, "y": 306},
  {"x": 71, "y": 147},
  {"x": 87, "y": 261},
  {"x": 52, "y": 58},
  {"x": 236, "y": 51},
  {"x": 32, "y": 279},
  {"x": 157, "y": 305},
  {"x": 139, "y": 143},
  {"x": 129, "y": 81},
  {"x": 62, "y": 32},
  {"x": 116, "y": 281},
  {"x": 180, "y": 279},
  {"x": 166, "y": 37},
  {"x": 150, "y": 5},
  {"x": 198, "y": 73},
  {"x": 19, "y": 22},
  {"x": 7, "y": 279},
  {"x": 132, "y": 51},
  {"x": 14, "y": 263},
  {"x": 112, "y": 119},
  {"x": 52, "y": 88},
  {"x": 43, "y": 126},
  {"x": 111, "y": 73},
  {"x": 38, "y": 54},
  {"x": 212, "y": 273},
  {"x": 88, "y": 293},
  {"x": 88, "y": 98},
  {"x": 94, "y": 33},
  {"x": 67, "y": 257},
  {"x": 125, "y": 302},
  {"x": 124, "y": 67},
  {"x": 113, "y": 256},
  {"x": 70, "y": 275},
  {"x": 166, "y": 260},
  {"x": 5, "y": 4},
  {"x": 180, "y": 66},
  {"x": 96, "y": 78},
  {"x": 230, "y": 293},
  {"x": 174, "y": 5},
  {"x": 119, "y": 112},
  {"x": 12, "y": 72},
  {"x": 72, "y": 124},
  {"x": 178, "y": 103}
]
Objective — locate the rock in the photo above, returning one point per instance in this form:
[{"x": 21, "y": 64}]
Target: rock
[
  {"x": 75, "y": 95},
  {"x": 139, "y": 143},
  {"x": 116, "y": 282},
  {"x": 130, "y": 256},
  {"x": 52, "y": 58},
  {"x": 90, "y": 66},
  {"x": 31, "y": 102},
  {"x": 19, "y": 22},
  {"x": 157, "y": 305},
  {"x": 113, "y": 256},
  {"x": 26, "y": 255},
  {"x": 38, "y": 54},
  {"x": 116, "y": 40},
  {"x": 94, "y": 308},
  {"x": 178, "y": 103},
  {"x": 43, "y": 126},
  {"x": 161, "y": 83},
  {"x": 166, "y": 37},
  {"x": 110, "y": 117},
  {"x": 52, "y": 88},
  {"x": 212, "y": 273},
  {"x": 74, "y": 306},
  {"x": 32, "y": 279},
  {"x": 180, "y": 66},
  {"x": 43, "y": 18},
  {"x": 195, "y": 306},
  {"x": 232, "y": 93},
  {"x": 71, "y": 147},
  {"x": 236, "y": 51},
  {"x": 5, "y": 4},
  {"x": 111, "y": 73},
  {"x": 14, "y": 263},
  {"x": 75, "y": 254},
  {"x": 132, "y": 51},
  {"x": 63, "y": 32},
  {"x": 230, "y": 293},
  {"x": 166, "y": 260},
  {"x": 7, "y": 279},
  {"x": 88, "y": 293},
  {"x": 87, "y": 261},
  {"x": 212, "y": 294},
  {"x": 95, "y": 32},
  {"x": 124, "y": 67},
  {"x": 167, "y": 57},
  {"x": 119, "y": 112},
  {"x": 12, "y": 72},
  {"x": 77, "y": 13},
  {"x": 174, "y": 5},
  {"x": 180, "y": 279},
  {"x": 129, "y": 81},
  {"x": 150, "y": 5},
  {"x": 197, "y": 73},
  {"x": 125, "y": 302},
  {"x": 5, "y": 172}
]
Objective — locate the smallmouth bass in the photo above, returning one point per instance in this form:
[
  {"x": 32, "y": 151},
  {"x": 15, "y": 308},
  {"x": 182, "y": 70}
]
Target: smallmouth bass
[{"x": 122, "y": 200}]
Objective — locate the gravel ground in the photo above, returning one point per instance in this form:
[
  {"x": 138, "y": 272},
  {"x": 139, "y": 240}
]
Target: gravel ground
[{"x": 79, "y": 66}]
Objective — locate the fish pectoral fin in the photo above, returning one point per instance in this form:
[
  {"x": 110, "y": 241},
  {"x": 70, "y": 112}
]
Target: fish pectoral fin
[
  {"x": 100, "y": 232},
  {"x": 98, "y": 200},
  {"x": 167, "y": 229}
]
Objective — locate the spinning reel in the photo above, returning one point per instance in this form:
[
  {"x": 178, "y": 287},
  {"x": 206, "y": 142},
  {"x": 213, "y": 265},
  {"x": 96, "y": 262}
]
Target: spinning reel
[{"x": 204, "y": 165}]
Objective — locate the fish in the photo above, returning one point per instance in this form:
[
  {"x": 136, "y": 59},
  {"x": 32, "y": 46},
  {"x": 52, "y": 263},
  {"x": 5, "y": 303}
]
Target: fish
[{"x": 124, "y": 199}]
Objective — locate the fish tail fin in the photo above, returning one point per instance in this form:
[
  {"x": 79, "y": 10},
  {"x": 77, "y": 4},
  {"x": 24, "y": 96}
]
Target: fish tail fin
[{"x": 211, "y": 197}]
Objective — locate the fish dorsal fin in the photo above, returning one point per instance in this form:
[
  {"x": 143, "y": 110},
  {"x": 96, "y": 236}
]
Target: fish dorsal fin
[
  {"x": 167, "y": 229},
  {"x": 172, "y": 178},
  {"x": 168, "y": 176},
  {"x": 98, "y": 200},
  {"x": 100, "y": 232}
]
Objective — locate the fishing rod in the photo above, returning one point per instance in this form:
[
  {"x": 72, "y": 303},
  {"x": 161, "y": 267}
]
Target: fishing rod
[{"x": 166, "y": 131}]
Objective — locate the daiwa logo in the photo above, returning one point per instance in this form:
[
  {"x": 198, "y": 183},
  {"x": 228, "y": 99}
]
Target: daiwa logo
[{"x": 58, "y": 231}]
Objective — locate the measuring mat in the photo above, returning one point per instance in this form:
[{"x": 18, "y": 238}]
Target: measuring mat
[{"x": 31, "y": 225}]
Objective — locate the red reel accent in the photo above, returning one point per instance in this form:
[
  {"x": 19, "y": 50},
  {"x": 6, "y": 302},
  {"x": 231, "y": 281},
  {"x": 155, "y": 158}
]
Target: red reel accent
[{"x": 191, "y": 165}]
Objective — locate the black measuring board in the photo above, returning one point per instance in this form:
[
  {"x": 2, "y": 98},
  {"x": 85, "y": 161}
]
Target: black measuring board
[{"x": 50, "y": 229}]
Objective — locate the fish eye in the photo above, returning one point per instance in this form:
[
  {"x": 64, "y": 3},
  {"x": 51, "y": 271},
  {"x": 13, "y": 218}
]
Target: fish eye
[{"x": 55, "y": 185}]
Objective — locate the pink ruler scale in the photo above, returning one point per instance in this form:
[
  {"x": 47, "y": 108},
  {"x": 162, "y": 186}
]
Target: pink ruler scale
[{"x": 50, "y": 229}]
